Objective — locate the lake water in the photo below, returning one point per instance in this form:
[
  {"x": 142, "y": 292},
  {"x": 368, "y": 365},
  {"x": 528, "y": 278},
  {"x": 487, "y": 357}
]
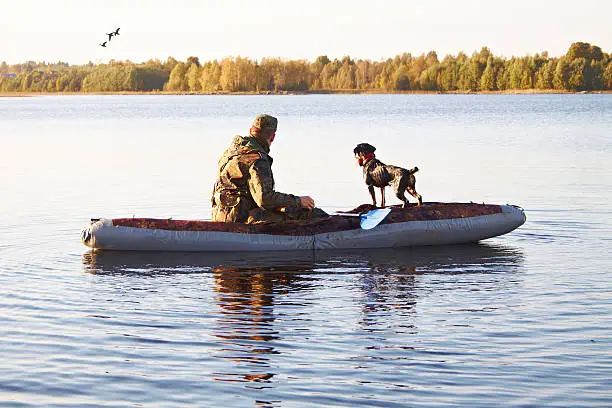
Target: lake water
[{"x": 520, "y": 320}]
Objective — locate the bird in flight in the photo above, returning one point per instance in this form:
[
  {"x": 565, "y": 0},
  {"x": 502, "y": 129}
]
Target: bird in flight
[{"x": 110, "y": 36}]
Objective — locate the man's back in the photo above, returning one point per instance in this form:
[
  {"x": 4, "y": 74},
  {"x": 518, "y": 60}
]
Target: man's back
[{"x": 245, "y": 183}]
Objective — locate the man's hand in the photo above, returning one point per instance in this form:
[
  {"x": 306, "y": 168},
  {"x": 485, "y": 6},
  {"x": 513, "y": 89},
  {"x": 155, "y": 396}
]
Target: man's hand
[{"x": 307, "y": 202}]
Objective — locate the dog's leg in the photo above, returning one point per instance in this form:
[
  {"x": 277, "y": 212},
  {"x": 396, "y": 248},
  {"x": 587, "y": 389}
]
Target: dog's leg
[
  {"x": 410, "y": 187},
  {"x": 372, "y": 194},
  {"x": 382, "y": 197},
  {"x": 416, "y": 195},
  {"x": 399, "y": 189},
  {"x": 402, "y": 198}
]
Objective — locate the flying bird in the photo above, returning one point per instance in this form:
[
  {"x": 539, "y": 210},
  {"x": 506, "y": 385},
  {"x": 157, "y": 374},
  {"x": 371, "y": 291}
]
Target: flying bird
[
  {"x": 116, "y": 31},
  {"x": 103, "y": 44},
  {"x": 110, "y": 36}
]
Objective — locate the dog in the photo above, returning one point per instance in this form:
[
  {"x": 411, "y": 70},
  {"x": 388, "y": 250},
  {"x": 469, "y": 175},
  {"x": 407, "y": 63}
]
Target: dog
[{"x": 378, "y": 174}]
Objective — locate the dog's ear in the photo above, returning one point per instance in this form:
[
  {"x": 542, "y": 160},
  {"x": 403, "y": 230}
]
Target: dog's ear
[
  {"x": 364, "y": 148},
  {"x": 368, "y": 148}
]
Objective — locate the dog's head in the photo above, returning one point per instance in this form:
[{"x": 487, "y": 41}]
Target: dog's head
[
  {"x": 364, "y": 152},
  {"x": 363, "y": 148}
]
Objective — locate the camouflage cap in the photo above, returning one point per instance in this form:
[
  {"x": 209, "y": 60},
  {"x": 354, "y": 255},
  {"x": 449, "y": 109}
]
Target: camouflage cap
[{"x": 264, "y": 121}]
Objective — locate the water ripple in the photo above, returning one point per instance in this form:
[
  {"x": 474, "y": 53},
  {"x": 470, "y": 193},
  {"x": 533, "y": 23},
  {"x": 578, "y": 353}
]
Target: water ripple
[{"x": 521, "y": 320}]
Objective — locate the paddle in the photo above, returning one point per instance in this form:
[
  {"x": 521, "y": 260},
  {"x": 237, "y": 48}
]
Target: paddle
[{"x": 370, "y": 219}]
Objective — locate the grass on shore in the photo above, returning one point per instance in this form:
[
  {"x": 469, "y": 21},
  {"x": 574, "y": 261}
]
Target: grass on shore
[{"x": 313, "y": 92}]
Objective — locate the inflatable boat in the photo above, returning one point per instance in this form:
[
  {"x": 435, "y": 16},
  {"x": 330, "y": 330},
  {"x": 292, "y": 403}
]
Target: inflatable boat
[{"x": 428, "y": 224}]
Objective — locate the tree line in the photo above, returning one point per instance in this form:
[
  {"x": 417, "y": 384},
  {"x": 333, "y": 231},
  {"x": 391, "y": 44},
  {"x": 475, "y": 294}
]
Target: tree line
[{"x": 584, "y": 67}]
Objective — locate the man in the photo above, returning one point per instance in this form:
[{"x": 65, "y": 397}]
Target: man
[{"x": 244, "y": 190}]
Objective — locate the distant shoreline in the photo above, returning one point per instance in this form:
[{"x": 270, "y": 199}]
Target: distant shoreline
[{"x": 317, "y": 92}]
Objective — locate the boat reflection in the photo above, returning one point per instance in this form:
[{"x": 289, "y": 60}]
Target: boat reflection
[
  {"x": 472, "y": 258},
  {"x": 153, "y": 263},
  {"x": 251, "y": 290}
]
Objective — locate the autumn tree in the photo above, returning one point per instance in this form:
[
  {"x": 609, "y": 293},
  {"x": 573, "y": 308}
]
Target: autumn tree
[
  {"x": 607, "y": 77},
  {"x": 562, "y": 73},
  {"x": 193, "y": 78},
  {"x": 576, "y": 78},
  {"x": 583, "y": 50},
  {"x": 268, "y": 70},
  {"x": 487, "y": 81},
  {"x": 177, "y": 80},
  {"x": 400, "y": 79},
  {"x": 429, "y": 79},
  {"x": 345, "y": 77},
  {"x": 584, "y": 67},
  {"x": 210, "y": 76},
  {"x": 193, "y": 60},
  {"x": 595, "y": 76},
  {"x": 546, "y": 75},
  {"x": 169, "y": 64},
  {"x": 449, "y": 73}
]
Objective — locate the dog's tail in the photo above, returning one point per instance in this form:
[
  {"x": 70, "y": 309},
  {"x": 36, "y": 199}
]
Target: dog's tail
[{"x": 413, "y": 170}]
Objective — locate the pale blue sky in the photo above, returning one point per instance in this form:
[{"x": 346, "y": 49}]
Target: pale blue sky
[{"x": 70, "y": 30}]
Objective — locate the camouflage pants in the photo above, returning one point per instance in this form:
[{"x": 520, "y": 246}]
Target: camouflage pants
[
  {"x": 237, "y": 210},
  {"x": 243, "y": 212}
]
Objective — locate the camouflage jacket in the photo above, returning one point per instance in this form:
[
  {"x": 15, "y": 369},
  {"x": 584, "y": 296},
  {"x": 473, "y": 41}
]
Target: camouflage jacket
[{"x": 245, "y": 184}]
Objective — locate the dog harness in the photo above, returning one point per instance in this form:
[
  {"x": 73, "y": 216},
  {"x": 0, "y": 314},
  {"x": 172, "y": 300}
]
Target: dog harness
[{"x": 375, "y": 173}]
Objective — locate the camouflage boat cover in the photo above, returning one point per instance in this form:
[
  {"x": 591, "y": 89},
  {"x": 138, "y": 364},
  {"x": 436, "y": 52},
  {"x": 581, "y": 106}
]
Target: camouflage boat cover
[{"x": 425, "y": 212}]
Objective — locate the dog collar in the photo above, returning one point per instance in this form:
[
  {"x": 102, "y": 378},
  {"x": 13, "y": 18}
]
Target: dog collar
[{"x": 363, "y": 160}]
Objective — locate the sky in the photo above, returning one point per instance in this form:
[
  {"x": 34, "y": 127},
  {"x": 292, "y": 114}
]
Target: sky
[{"x": 71, "y": 30}]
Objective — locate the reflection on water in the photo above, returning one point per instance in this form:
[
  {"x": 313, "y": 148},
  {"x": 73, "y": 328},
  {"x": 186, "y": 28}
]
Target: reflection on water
[
  {"x": 248, "y": 288},
  {"x": 245, "y": 326},
  {"x": 472, "y": 258}
]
